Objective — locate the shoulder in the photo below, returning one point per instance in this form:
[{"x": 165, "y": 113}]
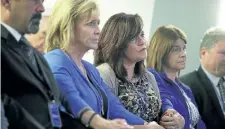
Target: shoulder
[
  {"x": 150, "y": 78},
  {"x": 105, "y": 67},
  {"x": 57, "y": 59},
  {"x": 185, "y": 87},
  {"x": 105, "y": 70},
  {"x": 149, "y": 74},
  {"x": 189, "y": 77},
  {"x": 157, "y": 75}
]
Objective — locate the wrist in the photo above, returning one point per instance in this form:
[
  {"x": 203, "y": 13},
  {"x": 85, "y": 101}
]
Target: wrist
[{"x": 97, "y": 122}]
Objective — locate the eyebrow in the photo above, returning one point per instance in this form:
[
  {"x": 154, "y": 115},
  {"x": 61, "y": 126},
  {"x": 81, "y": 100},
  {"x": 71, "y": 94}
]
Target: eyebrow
[{"x": 178, "y": 46}]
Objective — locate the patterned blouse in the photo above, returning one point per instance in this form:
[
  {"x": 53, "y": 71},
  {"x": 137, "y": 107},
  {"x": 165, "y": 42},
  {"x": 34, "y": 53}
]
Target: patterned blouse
[{"x": 139, "y": 98}]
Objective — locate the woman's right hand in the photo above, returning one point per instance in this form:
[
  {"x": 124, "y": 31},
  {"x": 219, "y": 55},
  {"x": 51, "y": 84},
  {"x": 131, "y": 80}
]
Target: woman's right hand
[
  {"x": 154, "y": 125},
  {"x": 172, "y": 120},
  {"x": 114, "y": 124}
]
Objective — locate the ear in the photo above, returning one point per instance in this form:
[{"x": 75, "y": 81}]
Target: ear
[
  {"x": 6, "y": 4},
  {"x": 203, "y": 52}
]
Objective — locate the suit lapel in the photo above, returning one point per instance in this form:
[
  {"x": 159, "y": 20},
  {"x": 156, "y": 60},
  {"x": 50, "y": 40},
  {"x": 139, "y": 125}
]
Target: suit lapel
[
  {"x": 210, "y": 90},
  {"x": 15, "y": 46}
]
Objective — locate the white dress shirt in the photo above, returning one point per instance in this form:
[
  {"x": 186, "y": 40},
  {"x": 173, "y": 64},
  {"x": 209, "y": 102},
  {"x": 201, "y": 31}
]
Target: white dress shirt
[{"x": 14, "y": 32}]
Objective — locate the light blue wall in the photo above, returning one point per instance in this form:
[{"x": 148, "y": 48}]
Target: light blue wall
[{"x": 192, "y": 16}]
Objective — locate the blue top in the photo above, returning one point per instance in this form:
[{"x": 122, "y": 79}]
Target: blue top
[
  {"x": 78, "y": 93},
  {"x": 172, "y": 97}
]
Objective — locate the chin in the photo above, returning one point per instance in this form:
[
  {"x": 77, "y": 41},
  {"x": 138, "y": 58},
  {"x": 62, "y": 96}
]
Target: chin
[
  {"x": 182, "y": 67},
  {"x": 94, "y": 47},
  {"x": 140, "y": 59}
]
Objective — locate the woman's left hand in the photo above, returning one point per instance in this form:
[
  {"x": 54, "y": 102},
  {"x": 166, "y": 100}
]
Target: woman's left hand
[{"x": 172, "y": 120}]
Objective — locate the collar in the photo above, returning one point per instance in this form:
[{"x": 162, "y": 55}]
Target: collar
[
  {"x": 215, "y": 80},
  {"x": 15, "y": 33}
]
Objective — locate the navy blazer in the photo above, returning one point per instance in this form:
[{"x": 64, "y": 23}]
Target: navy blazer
[{"x": 77, "y": 91}]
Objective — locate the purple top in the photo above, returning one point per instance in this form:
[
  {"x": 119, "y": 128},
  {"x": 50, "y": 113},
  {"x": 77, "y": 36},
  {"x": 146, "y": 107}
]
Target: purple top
[{"x": 172, "y": 97}]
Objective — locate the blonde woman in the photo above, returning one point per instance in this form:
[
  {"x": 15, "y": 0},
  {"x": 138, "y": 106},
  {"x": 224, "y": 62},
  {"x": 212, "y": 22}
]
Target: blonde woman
[{"x": 74, "y": 30}]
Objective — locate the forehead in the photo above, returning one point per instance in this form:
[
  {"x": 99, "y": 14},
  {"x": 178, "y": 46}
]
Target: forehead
[
  {"x": 88, "y": 17},
  {"x": 220, "y": 45},
  {"x": 179, "y": 42}
]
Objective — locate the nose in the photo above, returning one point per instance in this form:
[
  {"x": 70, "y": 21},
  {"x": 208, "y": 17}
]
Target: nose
[
  {"x": 40, "y": 8},
  {"x": 183, "y": 53},
  {"x": 97, "y": 30},
  {"x": 141, "y": 41}
]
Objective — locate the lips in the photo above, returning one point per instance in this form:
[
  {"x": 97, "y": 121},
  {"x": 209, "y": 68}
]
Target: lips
[
  {"x": 181, "y": 62},
  {"x": 95, "y": 40},
  {"x": 143, "y": 49}
]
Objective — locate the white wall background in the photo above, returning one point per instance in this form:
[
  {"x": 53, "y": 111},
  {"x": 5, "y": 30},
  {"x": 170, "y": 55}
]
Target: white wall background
[
  {"x": 194, "y": 17},
  {"x": 109, "y": 7}
]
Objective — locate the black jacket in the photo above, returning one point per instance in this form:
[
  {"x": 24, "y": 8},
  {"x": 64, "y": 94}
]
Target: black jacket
[
  {"x": 206, "y": 99},
  {"x": 25, "y": 91}
]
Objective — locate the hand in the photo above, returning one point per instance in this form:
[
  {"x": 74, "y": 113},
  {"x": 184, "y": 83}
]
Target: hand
[
  {"x": 151, "y": 125},
  {"x": 172, "y": 120},
  {"x": 115, "y": 124},
  {"x": 154, "y": 125}
]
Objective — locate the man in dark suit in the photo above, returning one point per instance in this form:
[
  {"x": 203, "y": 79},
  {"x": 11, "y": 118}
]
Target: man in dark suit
[
  {"x": 207, "y": 83},
  {"x": 29, "y": 90}
]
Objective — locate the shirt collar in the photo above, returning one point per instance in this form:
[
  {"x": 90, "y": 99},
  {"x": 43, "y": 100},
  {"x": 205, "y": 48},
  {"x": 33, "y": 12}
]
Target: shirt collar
[
  {"x": 215, "y": 80},
  {"x": 15, "y": 33}
]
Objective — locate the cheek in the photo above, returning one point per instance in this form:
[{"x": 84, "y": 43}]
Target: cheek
[
  {"x": 220, "y": 61},
  {"x": 132, "y": 51},
  {"x": 172, "y": 60}
]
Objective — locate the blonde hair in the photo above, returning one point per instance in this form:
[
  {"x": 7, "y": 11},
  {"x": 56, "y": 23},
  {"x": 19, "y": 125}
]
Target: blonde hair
[
  {"x": 161, "y": 44},
  {"x": 62, "y": 21}
]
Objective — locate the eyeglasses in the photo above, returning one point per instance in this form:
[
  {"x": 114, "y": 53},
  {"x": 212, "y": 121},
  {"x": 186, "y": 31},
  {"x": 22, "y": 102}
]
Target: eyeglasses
[
  {"x": 177, "y": 49},
  {"x": 138, "y": 39}
]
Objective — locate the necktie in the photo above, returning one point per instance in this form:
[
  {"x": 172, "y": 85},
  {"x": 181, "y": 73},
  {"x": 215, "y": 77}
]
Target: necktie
[
  {"x": 28, "y": 51},
  {"x": 221, "y": 87}
]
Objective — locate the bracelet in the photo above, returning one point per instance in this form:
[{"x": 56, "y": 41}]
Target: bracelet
[
  {"x": 89, "y": 121},
  {"x": 82, "y": 113}
]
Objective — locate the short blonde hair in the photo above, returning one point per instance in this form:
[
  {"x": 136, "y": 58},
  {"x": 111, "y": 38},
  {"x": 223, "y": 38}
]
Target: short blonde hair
[
  {"x": 63, "y": 19},
  {"x": 161, "y": 44}
]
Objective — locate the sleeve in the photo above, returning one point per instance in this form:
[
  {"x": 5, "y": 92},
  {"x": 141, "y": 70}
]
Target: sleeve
[
  {"x": 201, "y": 125},
  {"x": 155, "y": 86},
  {"x": 109, "y": 78},
  {"x": 117, "y": 110},
  {"x": 165, "y": 95},
  {"x": 69, "y": 92}
]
